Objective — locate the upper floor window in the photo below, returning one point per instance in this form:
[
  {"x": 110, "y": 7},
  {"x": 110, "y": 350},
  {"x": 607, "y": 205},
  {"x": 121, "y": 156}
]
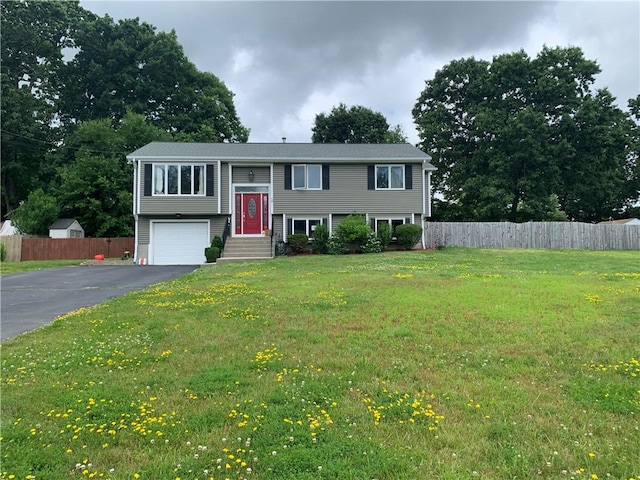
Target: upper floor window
[
  {"x": 390, "y": 177},
  {"x": 178, "y": 179},
  {"x": 307, "y": 177}
]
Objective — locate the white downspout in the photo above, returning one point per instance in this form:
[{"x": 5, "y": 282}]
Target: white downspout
[
  {"x": 219, "y": 187},
  {"x": 424, "y": 207},
  {"x": 135, "y": 207}
]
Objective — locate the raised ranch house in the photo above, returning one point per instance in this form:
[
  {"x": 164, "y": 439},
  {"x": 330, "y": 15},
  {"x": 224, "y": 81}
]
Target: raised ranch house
[{"x": 186, "y": 193}]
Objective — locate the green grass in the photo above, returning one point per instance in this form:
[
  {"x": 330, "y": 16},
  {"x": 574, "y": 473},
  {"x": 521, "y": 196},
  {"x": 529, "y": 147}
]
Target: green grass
[
  {"x": 19, "y": 267},
  {"x": 451, "y": 364}
]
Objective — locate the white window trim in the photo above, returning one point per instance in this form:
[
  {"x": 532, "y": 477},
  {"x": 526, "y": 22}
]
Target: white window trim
[
  {"x": 389, "y": 221},
  {"x": 307, "y": 227},
  {"x": 306, "y": 176},
  {"x": 389, "y": 177},
  {"x": 166, "y": 180}
]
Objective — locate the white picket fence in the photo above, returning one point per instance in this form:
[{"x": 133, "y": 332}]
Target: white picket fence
[{"x": 585, "y": 236}]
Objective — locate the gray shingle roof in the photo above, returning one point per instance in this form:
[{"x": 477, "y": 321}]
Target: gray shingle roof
[
  {"x": 62, "y": 223},
  {"x": 281, "y": 151}
]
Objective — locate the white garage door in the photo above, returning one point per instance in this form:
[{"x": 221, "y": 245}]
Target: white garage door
[{"x": 179, "y": 243}]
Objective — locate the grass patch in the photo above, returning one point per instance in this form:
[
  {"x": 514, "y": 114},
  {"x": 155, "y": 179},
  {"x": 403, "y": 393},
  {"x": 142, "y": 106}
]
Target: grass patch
[
  {"x": 19, "y": 267},
  {"x": 452, "y": 364}
]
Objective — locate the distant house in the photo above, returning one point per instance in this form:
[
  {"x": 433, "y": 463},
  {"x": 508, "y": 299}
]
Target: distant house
[
  {"x": 8, "y": 229},
  {"x": 622, "y": 221},
  {"x": 253, "y": 194},
  {"x": 66, "y": 228}
]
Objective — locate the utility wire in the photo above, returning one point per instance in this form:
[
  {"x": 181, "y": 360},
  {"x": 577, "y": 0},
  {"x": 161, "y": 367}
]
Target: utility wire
[{"x": 54, "y": 144}]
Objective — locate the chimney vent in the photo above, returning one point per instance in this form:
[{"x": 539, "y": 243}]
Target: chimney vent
[{"x": 284, "y": 139}]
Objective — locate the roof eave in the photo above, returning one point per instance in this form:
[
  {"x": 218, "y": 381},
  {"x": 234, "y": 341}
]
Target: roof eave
[{"x": 245, "y": 159}]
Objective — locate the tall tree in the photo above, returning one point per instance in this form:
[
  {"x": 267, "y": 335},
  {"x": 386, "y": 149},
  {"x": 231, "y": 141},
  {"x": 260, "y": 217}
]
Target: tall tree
[
  {"x": 632, "y": 167},
  {"x": 35, "y": 215},
  {"x": 524, "y": 139},
  {"x": 96, "y": 187},
  {"x": 128, "y": 66},
  {"x": 63, "y": 66},
  {"x": 356, "y": 124},
  {"x": 33, "y": 36}
]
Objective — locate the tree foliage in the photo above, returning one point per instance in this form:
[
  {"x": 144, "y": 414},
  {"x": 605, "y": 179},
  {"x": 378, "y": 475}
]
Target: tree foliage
[
  {"x": 64, "y": 67},
  {"x": 35, "y": 215},
  {"x": 33, "y": 36},
  {"x": 356, "y": 124},
  {"x": 128, "y": 66},
  {"x": 96, "y": 187},
  {"x": 525, "y": 139}
]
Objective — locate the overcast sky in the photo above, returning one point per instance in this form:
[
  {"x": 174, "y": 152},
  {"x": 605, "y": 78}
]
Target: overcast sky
[{"x": 288, "y": 61}]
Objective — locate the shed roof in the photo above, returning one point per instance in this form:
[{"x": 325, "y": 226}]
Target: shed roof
[
  {"x": 62, "y": 223},
  {"x": 283, "y": 152}
]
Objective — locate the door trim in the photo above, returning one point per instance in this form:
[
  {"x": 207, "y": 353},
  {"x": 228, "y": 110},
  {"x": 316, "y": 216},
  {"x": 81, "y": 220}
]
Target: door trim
[{"x": 264, "y": 205}]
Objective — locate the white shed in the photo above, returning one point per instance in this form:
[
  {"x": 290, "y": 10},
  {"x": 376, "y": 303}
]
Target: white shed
[{"x": 66, "y": 228}]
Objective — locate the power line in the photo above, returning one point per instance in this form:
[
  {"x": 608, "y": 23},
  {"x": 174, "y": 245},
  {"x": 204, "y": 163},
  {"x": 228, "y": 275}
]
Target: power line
[{"x": 56, "y": 145}]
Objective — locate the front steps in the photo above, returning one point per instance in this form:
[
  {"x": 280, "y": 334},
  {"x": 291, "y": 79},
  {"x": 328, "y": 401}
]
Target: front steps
[{"x": 242, "y": 249}]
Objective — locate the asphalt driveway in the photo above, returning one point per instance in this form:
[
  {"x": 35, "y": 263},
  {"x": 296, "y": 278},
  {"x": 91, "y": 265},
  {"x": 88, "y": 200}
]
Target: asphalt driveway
[{"x": 31, "y": 299}]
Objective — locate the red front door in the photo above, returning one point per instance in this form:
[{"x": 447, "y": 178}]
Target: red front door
[{"x": 251, "y": 213}]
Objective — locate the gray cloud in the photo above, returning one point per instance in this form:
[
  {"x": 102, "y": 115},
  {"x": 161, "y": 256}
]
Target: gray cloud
[{"x": 287, "y": 61}]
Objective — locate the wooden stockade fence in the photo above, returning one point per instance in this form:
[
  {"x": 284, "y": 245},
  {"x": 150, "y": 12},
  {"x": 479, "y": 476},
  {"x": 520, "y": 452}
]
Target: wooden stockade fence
[
  {"x": 74, "y": 248},
  {"x": 554, "y": 235},
  {"x": 13, "y": 244}
]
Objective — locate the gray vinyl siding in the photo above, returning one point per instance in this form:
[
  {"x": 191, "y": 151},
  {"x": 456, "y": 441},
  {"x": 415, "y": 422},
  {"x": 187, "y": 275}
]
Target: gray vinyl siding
[
  {"x": 224, "y": 189},
  {"x": 277, "y": 227},
  {"x": 183, "y": 204},
  {"x": 261, "y": 174},
  {"x": 348, "y": 193}
]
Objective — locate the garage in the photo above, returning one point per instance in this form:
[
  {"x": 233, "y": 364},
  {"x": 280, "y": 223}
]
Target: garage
[{"x": 179, "y": 242}]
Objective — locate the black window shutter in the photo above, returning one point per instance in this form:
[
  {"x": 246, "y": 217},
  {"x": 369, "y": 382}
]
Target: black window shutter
[
  {"x": 289, "y": 226},
  {"x": 325, "y": 222},
  {"x": 147, "y": 179},
  {"x": 287, "y": 176},
  {"x": 371, "y": 177},
  {"x": 408, "y": 177},
  {"x": 325, "y": 177},
  {"x": 209, "y": 180}
]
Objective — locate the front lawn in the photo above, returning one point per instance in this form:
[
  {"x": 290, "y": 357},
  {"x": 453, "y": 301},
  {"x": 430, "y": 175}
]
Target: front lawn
[
  {"x": 449, "y": 364},
  {"x": 19, "y": 267}
]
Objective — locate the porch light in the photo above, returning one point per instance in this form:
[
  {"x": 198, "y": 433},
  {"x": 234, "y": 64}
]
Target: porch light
[{"x": 251, "y": 175}]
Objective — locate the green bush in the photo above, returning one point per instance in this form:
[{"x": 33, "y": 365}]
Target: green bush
[
  {"x": 320, "y": 239},
  {"x": 335, "y": 246},
  {"x": 212, "y": 254},
  {"x": 298, "y": 242},
  {"x": 408, "y": 235},
  {"x": 384, "y": 235},
  {"x": 217, "y": 242},
  {"x": 3, "y": 252},
  {"x": 372, "y": 245},
  {"x": 354, "y": 232}
]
